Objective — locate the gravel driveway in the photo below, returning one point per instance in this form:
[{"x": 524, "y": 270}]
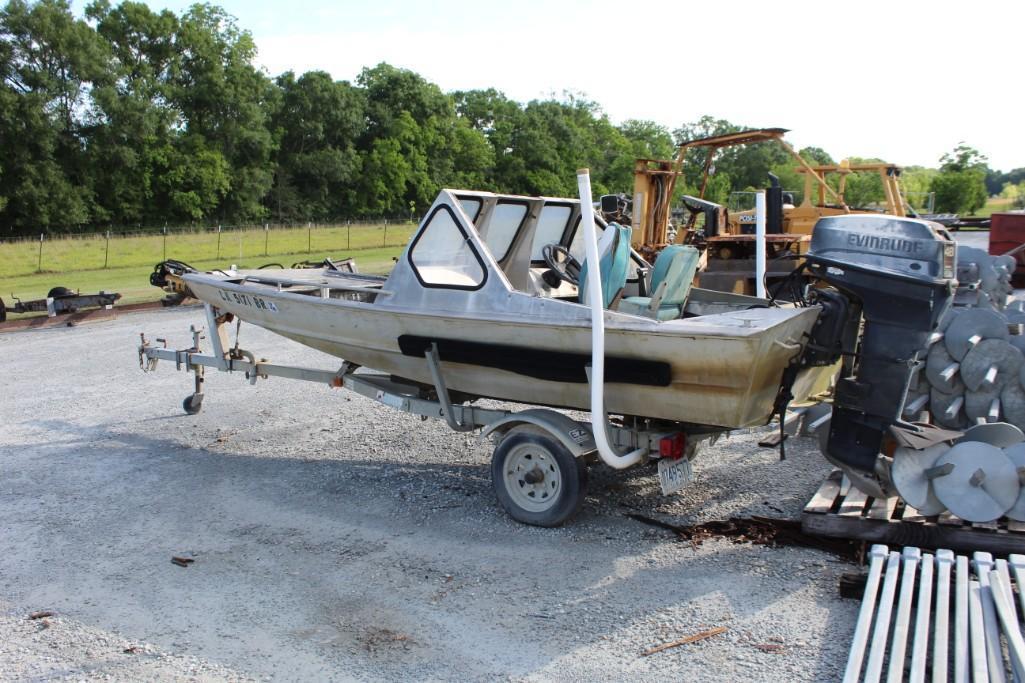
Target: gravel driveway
[{"x": 335, "y": 539}]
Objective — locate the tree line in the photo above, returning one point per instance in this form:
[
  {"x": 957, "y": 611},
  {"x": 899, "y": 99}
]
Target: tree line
[{"x": 128, "y": 116}]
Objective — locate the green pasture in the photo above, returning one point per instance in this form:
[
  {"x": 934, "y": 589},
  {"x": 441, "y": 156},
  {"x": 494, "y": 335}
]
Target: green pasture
[
  {"x": 78, "y": 262},
  {"x": 996, "y": 205}
]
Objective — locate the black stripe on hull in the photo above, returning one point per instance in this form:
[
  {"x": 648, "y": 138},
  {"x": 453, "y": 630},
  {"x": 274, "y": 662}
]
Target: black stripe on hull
[{"x": 552, "y": 366}]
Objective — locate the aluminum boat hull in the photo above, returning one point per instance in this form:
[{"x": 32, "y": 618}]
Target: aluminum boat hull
[{"x": 724, "y": 370}]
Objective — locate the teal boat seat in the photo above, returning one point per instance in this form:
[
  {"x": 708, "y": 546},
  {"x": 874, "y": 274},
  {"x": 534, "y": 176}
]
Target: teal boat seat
[
  {"x": 671, "y": 281},
  {"x": 614, "y": 261}
]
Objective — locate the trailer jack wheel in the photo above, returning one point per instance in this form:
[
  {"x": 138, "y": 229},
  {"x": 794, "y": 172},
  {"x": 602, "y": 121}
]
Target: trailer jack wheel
[
  {"x": 537, "y": 480},
  {"x": 193, "y": 403}
]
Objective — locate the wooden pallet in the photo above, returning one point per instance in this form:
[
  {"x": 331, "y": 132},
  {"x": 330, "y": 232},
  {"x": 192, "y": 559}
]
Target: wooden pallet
[{"x": 840, "y": 510}]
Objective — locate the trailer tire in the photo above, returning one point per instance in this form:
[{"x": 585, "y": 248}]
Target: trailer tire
[
  {"x": 537, "y": 480},
  {"x": 3, "y": 311},
  {"x": 57, "y": 292}
]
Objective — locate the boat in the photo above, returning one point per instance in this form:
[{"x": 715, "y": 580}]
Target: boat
[
  {"x": 494, "y": 297},
  {"x": 471, "y": 281}
]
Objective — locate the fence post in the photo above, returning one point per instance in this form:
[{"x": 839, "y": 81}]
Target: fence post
[
  {"x": 385, "y": 242},
  {"x": 218, "y": 241},
  {"x": 240, "y": 244},
  {"x": 165, "y": 241},
  {"x": 309, "y": 237},
  {"x": 39, "y": 265},
  {"x": 106, "y": 252},
  {"x": 348, "y": 229},
  {"x": 266, "y": 234}
]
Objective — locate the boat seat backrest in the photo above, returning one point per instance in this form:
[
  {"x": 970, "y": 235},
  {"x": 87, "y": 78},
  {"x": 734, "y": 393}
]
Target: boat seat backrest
[
  {"x": 671, "y": 281},
  {"x": 614, "y": 261},
  {"x": 673, "y": 275}
]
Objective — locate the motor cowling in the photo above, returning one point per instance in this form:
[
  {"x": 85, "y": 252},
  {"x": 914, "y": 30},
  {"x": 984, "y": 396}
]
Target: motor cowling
[{"x": 899, "y": 274}]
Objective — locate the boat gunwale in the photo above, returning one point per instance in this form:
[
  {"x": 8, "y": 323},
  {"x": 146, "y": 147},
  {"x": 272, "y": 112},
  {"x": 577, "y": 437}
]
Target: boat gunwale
[{"x": 619, "y": 322}]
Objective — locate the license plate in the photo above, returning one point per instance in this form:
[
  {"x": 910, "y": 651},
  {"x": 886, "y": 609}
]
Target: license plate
[{"x": 673, "y": 475}]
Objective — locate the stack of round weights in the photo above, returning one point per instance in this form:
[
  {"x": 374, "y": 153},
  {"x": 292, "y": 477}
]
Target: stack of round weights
[
  {"x": 973, "y": 380},
  {"x": 975, "y": 368}
]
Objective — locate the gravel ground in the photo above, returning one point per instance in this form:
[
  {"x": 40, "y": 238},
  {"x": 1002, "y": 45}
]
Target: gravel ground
[
  {"x": 336, "y": 539},
  {"x": 330, "y": 545}
]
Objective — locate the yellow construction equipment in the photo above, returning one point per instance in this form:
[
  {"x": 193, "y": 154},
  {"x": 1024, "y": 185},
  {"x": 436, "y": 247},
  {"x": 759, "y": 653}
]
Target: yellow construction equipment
[{"x": 729, "y": 237}]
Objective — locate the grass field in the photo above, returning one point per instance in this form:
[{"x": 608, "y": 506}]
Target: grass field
[
  {"x": 78, "y": 262},
  {"x": 996, "y": 205}
]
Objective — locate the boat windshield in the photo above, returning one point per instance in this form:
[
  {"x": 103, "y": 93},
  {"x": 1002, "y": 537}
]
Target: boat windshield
[
  {"x": 442, "y": 255},
  {"x": 551, "y": 227},
  {"x": 506, "y": 220}
]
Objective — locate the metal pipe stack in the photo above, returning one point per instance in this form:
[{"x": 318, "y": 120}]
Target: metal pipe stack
[{"x": 980, "y": 639}]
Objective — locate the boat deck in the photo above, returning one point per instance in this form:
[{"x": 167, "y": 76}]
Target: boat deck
[{"x": 321, "y": 282}]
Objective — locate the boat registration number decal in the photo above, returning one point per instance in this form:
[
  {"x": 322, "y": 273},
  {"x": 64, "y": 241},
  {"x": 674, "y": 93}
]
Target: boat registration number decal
[
  {"x": 248, "y": 300},
  {"x": 673, "y": 475}
]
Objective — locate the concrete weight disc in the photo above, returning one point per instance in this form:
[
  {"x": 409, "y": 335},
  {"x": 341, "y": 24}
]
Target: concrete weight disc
[
  {"x": 1016, "y": 454},
  {"x": 948, "y": 318},
  {"x": 977, "y": 404},
  {"x": 982, "y": 482},
  {"x": 970, "y": 254},
  {"x": 1017, "y": 341},
  {"x": 983, "y": 357},
  {"x": 908, "y": 474},
  {"x": 937, "y": 364},
  {"x": 1007, "y": 262},
  {"x": 990, "y": 277},
  {"x": 948, "y": 409},
  {"x": 1012, "y": 404},
  {"x": 999, "y": 434},
  {"x": 986, "y": 302},
  {"x": 969, "y": 324}
]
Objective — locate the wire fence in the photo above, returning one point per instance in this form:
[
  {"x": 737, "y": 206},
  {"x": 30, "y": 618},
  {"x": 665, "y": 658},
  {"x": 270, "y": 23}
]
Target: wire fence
[{"x": 56, "y": 253}]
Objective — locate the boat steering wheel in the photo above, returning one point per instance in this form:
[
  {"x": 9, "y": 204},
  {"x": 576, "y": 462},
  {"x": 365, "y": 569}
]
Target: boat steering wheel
[{"x": 562, "y": 263}]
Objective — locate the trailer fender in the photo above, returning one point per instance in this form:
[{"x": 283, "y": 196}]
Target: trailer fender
[{"x": 575, "y": 436}]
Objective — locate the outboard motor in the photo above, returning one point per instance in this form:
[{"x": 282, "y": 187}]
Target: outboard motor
[{"x": 898, "y": 273}]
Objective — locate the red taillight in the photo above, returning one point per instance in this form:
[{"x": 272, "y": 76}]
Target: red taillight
[{"x": 672, "y": 446}]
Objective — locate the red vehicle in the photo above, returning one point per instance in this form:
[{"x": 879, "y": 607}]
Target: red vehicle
[{"x": 1007, "y": 236}]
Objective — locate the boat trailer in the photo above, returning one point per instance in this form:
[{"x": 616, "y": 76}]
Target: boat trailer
[
  {"x": 59, "y": 300},
  {"x": 539, "y": 464}
]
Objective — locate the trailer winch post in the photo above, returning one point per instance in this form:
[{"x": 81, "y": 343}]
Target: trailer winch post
[{"x": 218, "y": 336}]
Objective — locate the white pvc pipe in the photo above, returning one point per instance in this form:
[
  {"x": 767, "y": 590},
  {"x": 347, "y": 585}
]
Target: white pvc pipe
[
  {"x": 760, "y": 244},
  {"x": 599, "y": 423}
]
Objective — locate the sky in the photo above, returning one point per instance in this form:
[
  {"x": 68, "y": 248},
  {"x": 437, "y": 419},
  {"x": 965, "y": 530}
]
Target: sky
[{"x": 900, "y": 80}]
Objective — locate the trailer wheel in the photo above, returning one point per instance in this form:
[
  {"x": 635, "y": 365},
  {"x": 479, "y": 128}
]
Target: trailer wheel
[
  {"x": 3, "y": 311},
  {"x": 193, "y": 403},
  {"x": 58, "y": 292},
  {"x": 537, "y": 480}
]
